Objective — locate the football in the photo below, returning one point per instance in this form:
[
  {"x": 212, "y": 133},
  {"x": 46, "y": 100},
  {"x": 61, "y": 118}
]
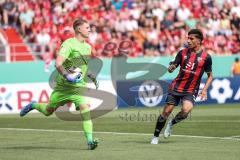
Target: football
[{"x": 76, "y": 72}]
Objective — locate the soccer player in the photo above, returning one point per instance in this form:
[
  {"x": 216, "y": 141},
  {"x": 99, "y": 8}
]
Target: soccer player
[
  {"x": 71, "y": 54},
  {"x": 193, "y": 62}
]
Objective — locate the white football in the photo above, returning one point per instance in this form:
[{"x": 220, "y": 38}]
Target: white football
[{"x": 74, "y": 72}]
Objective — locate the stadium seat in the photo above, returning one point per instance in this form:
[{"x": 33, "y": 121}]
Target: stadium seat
[{"x": 19, "y": 51}]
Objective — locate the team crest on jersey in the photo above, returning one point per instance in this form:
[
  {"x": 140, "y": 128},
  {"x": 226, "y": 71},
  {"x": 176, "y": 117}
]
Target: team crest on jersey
[
  {"x": 199, "y": 59},
  {"x": 63, "y": 50},
  {"x": 185, "y": 57}
]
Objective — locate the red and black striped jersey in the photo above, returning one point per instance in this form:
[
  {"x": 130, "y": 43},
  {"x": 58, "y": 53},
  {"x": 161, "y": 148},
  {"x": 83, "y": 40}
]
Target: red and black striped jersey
[{"x": 192, "y": 67}]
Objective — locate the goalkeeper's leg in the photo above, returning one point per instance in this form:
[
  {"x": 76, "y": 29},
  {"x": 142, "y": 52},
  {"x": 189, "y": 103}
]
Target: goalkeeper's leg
[
  {"x": 88, "y": 126},
  {"x": 56, "y": 99},
  {"x": 41, "y": 107}
]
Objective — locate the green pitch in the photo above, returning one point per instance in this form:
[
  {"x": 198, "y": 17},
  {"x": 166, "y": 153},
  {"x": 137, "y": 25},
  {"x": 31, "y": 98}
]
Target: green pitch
[{"x": 211, "y": 132}]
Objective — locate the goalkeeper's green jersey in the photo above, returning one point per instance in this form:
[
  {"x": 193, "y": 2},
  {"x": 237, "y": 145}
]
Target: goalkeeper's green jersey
[{"x": 76, "y": 54}]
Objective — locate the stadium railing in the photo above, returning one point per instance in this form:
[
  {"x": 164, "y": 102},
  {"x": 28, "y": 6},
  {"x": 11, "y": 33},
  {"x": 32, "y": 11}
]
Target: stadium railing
[{"x": 18, "y": 52}]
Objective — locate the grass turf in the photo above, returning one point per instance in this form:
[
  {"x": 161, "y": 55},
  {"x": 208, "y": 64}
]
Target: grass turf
[{"x": 210, "y": 121}]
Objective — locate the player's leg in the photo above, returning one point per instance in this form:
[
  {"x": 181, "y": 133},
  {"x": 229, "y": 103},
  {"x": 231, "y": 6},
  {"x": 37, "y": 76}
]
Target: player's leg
[
  {"x": 56, "y": 99},
  {"x": 87, "y": 122},
  {"x": 83, "y": 104},
  {"x": 44, "y": 108},
  {"x": 88, "y": 126},
  {"x": 161, "y": 122},
  {"x": 163, "y": 118},
  {"x": 41, "y": 107},
  {"x": 187, "y": 106},
  {"x": 171, "y": 102}
]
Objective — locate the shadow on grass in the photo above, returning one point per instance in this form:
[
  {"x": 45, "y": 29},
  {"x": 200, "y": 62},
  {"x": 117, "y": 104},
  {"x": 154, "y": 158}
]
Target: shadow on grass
[{"x": 29, "y": 147}]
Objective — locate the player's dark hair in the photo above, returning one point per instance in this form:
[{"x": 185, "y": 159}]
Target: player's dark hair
[
  {"x": 236, "y": 59},
  {"x": 197, "y": 33},
  {"x": 78, "y": 22}
]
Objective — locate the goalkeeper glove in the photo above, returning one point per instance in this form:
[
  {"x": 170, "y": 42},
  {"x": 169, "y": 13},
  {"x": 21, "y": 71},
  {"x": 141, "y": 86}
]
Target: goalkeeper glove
[{"x": 73, "y": 78}]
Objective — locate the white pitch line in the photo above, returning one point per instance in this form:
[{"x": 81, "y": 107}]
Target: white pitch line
[
  {"x": 211, "y": 121},
  {"x": 116, "y": 133},
  {"x": 237, "y": 136}
]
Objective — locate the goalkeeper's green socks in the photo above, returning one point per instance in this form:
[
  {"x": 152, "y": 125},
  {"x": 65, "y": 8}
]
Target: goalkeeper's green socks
[
  {"x": 87, "y": 125},
  {"x": 87, "y": 122},
  {"x": 41, "y": 107}
]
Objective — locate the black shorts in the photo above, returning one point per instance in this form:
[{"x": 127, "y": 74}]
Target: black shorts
[{"x": 175, "y": 98}]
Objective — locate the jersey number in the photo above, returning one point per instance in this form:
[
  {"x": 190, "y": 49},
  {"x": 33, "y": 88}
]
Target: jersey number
[{"x": 190, "y": 65}]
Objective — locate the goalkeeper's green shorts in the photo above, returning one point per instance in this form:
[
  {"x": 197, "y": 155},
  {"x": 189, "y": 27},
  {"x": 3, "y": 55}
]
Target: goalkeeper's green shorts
[{"x": 59, "y": 98}]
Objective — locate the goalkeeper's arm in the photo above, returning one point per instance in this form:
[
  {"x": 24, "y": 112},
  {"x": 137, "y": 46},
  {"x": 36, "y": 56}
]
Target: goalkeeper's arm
[
  {"x": 66, "y": 74},
  {"x": 93, "y": 79},
  {"x": 59, "y": 66}
]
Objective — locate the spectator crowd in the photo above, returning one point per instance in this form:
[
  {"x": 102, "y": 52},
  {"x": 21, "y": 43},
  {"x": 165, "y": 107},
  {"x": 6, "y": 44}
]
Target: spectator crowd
[{"x": 153, "y": 27}]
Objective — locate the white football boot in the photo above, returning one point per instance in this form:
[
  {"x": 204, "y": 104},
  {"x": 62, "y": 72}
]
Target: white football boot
[
  {"x": 154, "y": 140},
  {"x": 168, "y": 129}
]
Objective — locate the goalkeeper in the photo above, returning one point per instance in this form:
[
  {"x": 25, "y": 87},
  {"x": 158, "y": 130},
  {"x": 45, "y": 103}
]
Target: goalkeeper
[{"x": 72, "y": 54}]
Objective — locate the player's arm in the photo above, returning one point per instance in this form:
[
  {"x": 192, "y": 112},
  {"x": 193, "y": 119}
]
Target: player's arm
[
  {"x": 171, "y": 68},
  {"x": 91, "y": 75},
  {"x": 59, "y": 65},
  {"x": 61, "y": 57},
  {"x": 208, "y": 70},
  {"x": 203, "y": 94},
  {"x": 175, "y": 62},
  {"x": 63, "y": 54}
]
